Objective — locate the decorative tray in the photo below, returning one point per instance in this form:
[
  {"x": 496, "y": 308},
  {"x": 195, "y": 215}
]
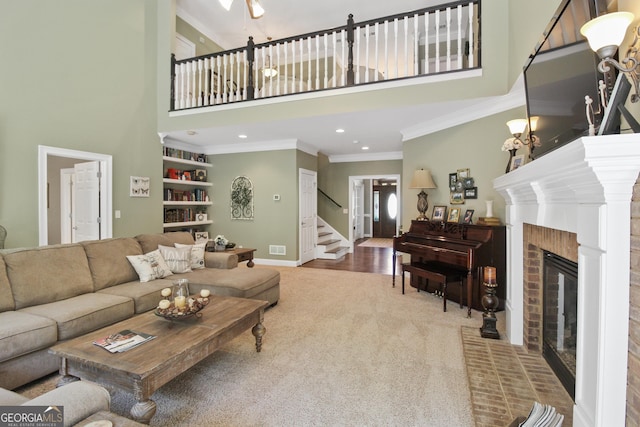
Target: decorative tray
[{"x": 193, "y": 307}]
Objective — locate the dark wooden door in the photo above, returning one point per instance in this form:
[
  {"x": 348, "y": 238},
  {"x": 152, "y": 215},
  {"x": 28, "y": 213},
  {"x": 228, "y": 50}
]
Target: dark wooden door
[{"x": 384, "y": 224}]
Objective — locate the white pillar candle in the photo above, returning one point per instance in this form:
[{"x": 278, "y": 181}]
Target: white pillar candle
[
  {"x": 205, "y": 293},
  {"x": 180, "y": 301}
]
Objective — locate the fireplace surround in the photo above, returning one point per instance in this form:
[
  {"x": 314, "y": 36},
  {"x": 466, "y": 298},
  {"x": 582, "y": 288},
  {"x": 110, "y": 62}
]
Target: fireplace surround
[{"x": 583, "y": 188}]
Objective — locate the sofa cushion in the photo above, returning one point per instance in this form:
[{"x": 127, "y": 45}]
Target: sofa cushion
[
  {"x": 6, "y": 296},
  {"x": 145, "y": 296},
  {"x": 150, "y": 242},
  {"x": 84, "y": 313},
  {"x": 150, "y": 266},
  {"x": 48, "y": 273},
  {"x": 108, "y": 263},
  {"x": 239, "y": 282},
  {"x": 22, "y": 333},
  {"x": 197, "y": 254},
  {"x": 178, "y": 259}
]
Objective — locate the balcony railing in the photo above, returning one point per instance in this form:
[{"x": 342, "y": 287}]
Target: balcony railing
[{"x": 423, "y": 42}]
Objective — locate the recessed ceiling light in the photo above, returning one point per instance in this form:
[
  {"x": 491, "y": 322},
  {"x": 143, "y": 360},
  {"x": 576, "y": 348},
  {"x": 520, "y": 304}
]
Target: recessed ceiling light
[
  {"x": 192, "y": 132},
  {"x": 242, "y": 136},
  {"x": 365, "y": 148},
  {"x": 355, "y": 141},
  {"x": 339, "y": 130}
]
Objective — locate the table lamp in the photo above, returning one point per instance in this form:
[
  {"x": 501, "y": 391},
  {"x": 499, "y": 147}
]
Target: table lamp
[{"x": 422, "y": 180}]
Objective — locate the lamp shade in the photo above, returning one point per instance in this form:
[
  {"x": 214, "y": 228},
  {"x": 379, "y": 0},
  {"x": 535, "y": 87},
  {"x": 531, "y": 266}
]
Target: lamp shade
[
  {"x": 607, "y": 30},
  {"x": 422, "y": 179},
  {"x": 517, "y": 126},
  {"x": 533, "y": 122}
]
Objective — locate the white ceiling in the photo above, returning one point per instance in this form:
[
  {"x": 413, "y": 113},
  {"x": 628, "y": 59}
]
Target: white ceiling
[{"x": 383, "y": 131}]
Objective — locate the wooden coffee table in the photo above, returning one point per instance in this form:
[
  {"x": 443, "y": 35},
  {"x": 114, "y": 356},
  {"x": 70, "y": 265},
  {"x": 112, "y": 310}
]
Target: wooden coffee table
[{"x": 177, "y": 347}]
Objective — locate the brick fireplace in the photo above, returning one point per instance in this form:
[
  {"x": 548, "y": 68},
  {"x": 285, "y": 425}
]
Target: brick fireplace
[{"x": 576, "y": 202}]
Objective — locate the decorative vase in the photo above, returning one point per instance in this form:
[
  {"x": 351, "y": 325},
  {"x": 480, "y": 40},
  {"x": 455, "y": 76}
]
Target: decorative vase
[
  {"x": 512, "y": 153},
  {"x": 489, "y": 204}
]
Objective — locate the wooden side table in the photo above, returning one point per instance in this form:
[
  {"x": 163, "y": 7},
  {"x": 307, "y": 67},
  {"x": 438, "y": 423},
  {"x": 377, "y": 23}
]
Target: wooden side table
[{"x": 244, "y": 254}]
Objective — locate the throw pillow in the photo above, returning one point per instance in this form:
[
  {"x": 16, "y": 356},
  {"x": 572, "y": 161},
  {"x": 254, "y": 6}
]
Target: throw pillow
[
  {"x": 150, "y": 266},
  {"x": 178, "y": 259},
  {"x": 197, "y": 253}
]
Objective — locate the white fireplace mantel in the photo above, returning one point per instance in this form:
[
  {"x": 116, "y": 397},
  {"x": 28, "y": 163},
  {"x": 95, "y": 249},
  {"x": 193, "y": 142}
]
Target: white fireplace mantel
[{"x": 584, "y": 187}]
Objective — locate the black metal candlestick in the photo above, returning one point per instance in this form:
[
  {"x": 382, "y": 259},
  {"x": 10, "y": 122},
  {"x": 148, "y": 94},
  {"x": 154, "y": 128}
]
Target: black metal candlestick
[{"x": 490, "y": 303}]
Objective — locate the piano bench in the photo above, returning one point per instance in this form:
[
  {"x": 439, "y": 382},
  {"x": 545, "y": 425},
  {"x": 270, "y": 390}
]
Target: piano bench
[{"x": 439, "y": 273}]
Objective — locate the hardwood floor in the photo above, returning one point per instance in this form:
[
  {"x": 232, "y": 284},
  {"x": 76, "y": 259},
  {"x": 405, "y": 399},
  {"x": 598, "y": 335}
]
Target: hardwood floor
[{"x": 363, "y": 259}]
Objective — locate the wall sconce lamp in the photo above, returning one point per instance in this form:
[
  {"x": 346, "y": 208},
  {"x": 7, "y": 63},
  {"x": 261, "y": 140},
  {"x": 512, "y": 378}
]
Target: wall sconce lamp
[
  {"x": 517, "y": 128},
  {"x": 422, "y": 180},
  {"x": 605, "y": 34}
]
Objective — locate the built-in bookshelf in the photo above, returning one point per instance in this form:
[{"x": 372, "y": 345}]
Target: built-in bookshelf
[{"x": 186, "y": 197}]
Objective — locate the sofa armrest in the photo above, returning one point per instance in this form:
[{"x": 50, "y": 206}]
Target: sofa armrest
[
  {"x": 220, "y": 260},
  {"x": 80, "y": 400}
]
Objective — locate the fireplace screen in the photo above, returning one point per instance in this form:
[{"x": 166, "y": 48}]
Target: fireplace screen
[{"x": 560, "y": 319}]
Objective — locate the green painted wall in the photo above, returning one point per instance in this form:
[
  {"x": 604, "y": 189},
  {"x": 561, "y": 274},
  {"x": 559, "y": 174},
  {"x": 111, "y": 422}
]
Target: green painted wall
[
  {"x": 204, "y": 47},
  {"x": 333, "y": 179},
  {"x": 275, "y": 222},
  {"x": 79, "y": 75},
  {"x": 475, "y": 145}
]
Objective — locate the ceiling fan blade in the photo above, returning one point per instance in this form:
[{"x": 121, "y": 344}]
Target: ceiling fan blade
[
  {"x": 226, "y": 4},
  {"x": 255, "y": 9}
]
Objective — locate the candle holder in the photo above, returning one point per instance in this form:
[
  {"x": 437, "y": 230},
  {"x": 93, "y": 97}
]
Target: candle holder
[
  {"x": 490, "y": 303},
  {"x": 180, "y": 293}
]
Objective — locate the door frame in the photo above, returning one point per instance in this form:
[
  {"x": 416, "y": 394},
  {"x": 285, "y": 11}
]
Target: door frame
[
  {"x": 396, "y": 177},
  {"x": 106, "y": 188}
]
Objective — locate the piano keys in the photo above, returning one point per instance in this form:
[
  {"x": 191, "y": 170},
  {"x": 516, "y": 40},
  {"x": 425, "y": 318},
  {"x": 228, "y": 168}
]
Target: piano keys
[{"x": 466, "y": 247}]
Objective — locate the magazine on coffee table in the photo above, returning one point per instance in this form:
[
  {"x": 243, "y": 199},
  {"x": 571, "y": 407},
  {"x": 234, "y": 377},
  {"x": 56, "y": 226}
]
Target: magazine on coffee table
[{"x": 123, "y": 341}]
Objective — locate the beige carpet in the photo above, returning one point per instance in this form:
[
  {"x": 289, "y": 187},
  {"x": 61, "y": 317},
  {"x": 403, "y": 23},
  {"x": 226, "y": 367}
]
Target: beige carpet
[
  {"x": 377, "y": 242},
  {"x": 341, "y": 349}
]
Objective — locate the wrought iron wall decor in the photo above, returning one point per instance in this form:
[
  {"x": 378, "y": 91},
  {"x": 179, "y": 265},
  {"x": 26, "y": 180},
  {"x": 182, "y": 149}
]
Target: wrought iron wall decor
[{"x": 242, "y": 198}]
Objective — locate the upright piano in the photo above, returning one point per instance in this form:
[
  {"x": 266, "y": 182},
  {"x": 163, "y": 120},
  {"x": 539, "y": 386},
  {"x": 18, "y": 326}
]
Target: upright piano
[{"x": 466, "y": 247}]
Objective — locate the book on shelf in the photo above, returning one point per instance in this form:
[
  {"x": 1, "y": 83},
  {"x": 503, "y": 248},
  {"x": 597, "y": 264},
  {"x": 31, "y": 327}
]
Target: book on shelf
[{"x": 123, "y": 341}]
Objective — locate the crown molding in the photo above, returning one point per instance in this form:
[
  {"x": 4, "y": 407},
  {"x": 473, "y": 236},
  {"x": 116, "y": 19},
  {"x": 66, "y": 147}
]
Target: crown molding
[{"x": 366, "y": 157}]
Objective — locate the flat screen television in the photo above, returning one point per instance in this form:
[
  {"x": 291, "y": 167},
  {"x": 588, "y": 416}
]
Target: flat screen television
[{"x": 560, "y": 72}]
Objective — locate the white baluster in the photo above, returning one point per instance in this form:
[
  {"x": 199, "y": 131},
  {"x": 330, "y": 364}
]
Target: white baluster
[
  {"x": 416, "y": 45},
  {"x": 460, "y": 53},
  {"x": 437, "y": 29},
  {"x": 286, "y": 67},
  {"x": 356, "y": 68},
  {"x": 377, "y": 54},
  {"x": 395, "y": 53},
  {"x": 238, "y": 81},
  {"x": 344, "y": 62},
  {"x": 181, "y": 87},
  {"x": 471, "y": 37},
  {"x": 301, "y": 78},
  {"x": 325, "y": 80},
  {"x": 406, "y": 46},
  {"x": 366, "y": 54},
  {"x": 334, "y": 41},
  {"x": 309, "y": 87},
  {"x": 386, "y": 50},
  {"x": 200, "y": 91},
  {"x": 269, "y": 65},
  {"x": 191, "y": 83},
  {"x": 220, "y": 90},
  {"x": 225, "y": 86},
  {"x": 232, "y": 63},
  {"x": 448, "y": 25},
  {"x": 207, "y": 97},
  {"x": 293, "y": 66},
  {"x": 426, "y": 44},
  {"x": 245, "y": 72},
  {"x": 317, "y": 62}
]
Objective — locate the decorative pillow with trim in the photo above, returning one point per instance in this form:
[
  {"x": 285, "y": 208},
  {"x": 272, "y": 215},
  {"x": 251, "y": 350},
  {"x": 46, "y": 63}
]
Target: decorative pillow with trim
[
  {"x": 178, "y": 259},
  {"x": 150, "y": 266},
  {"x": 197, "y": 253}
]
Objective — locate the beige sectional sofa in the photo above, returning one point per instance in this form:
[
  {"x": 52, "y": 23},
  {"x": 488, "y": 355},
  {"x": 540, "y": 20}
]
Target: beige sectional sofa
[{"x": 54, "y": 293}]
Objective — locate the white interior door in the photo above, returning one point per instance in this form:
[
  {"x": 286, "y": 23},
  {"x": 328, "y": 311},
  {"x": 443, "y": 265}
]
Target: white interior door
[
  {"x": 308, "y": 215},
  {"x": 67, "y": 176},
  {"x": 86, "y": 202},
  {"x": 185, "y": 48},
  {"x": 358, "y": 209}
]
